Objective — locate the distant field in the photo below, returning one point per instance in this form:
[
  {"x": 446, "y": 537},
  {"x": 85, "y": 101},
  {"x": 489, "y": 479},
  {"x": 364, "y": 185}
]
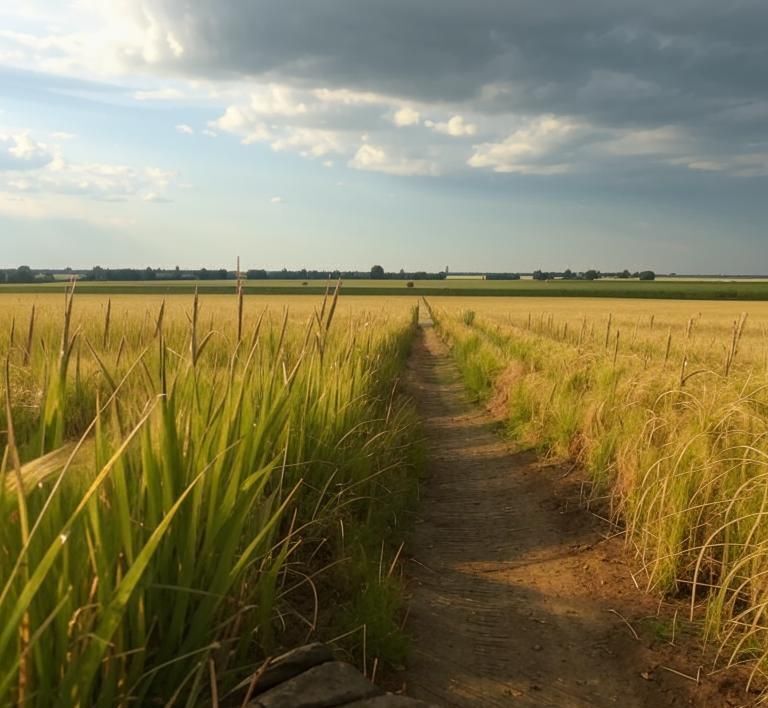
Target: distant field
[{"x": 663, "y": 289}]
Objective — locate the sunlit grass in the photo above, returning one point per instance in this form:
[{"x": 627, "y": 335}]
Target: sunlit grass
[
  {"x": 668, "y": 412},
  {"x": 184, "y": 488}
]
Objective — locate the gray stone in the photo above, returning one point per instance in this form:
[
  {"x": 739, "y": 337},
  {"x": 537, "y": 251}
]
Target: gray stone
[
  {"x": 326, "y": 686},
  {"x": 390, "y": 700},
  {"x": 289, "y": 665}
]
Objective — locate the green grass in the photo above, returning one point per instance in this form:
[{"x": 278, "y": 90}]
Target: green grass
[
  {"x": 180, "y": 503},
  {"x": 661, "y": 289}
]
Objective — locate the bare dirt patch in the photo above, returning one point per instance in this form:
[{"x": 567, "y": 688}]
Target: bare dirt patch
[{"x": 520, "y": 597}]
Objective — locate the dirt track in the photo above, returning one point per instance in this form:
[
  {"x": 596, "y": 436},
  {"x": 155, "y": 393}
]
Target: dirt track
[{"x": 515, "y": 588}]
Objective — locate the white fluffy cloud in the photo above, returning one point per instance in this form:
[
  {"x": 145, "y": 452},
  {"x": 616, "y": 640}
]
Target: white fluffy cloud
[
  {"x": 455, "y": 126},
  {"x": 185, "y": 129},
  {"x": 275, "y": 100},
  {"x": 531, "y": 149},
  {"x": 358, "y": 127},
  {"x": 19, "y": 151},
  {"x": 375, "y": 158},
  {"x": 29, "y": 167},
  {"x": 406, "y": 116}
]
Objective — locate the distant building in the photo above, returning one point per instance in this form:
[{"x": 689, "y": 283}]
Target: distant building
[{"x": 458, "y": 276}]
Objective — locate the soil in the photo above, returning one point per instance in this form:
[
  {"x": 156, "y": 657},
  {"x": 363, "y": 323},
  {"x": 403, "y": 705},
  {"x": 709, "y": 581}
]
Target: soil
[{"x": 520, "y": 596}]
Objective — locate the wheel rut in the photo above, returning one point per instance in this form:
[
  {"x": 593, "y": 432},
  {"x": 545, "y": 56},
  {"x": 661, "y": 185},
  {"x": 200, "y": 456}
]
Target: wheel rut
[{"x": 519, "y": 597}]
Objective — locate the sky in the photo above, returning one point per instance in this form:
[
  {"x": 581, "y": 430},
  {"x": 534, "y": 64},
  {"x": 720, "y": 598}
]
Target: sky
[{"x": 485, "y": 136}]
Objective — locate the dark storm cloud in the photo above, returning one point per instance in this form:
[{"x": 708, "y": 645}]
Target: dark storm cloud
[{"x": 617, "y": 61}]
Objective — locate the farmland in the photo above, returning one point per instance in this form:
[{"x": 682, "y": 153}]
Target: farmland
[
  {"x": 680, "y": 289},
  {"x": 193, "y": 483}
]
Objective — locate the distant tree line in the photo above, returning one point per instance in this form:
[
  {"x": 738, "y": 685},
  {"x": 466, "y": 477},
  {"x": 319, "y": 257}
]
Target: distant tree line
[
  {"x": 502, "y": 276},
  {"x": 592, "y": 274},
  {"x": 25, "y": 274}
]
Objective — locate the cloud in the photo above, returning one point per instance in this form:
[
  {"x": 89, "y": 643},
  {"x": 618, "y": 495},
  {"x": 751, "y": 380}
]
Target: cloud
[
  {"x": 185, "y": 129},
  {"x": 19, "y": 151},
  {"x": 753, "y": 165},
  {"x": 28, "y": 168},
  {"x": 536, "y": 148},
  {"x": 663, "y": 141},
  {"x": 254, "y": 123},
  {"x": 456, "y": 127},
  {"x": 633, "y": 74},
  {"x": 530, "y": 46},
  {"x": 375, "y": 158},
  {"x": 276, "y": 200},
  {"x": 275, "y": 100},
  {"x": 406, "y": 116}
]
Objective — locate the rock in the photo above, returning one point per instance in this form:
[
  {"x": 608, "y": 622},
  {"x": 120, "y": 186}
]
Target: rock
[
  {"x": 289, "y": 665},
  {"x": 325, "y": 686},
  {"x": 390, "y": 700}
]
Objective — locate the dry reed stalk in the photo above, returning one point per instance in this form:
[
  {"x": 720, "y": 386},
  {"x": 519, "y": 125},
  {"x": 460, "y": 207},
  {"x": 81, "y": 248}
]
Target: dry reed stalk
[
  {"x": 30, "y": 336},
  {"x": 608, "y": 330},
  {"x": 239, "y": 303},
  {"x": 69, "y": 296},
  {"x": 334, "y": 302},
  {"x": 683, "y": 367},
  {"x": 159, "y": 321},
  {"x": 669, "y": 346},
  {"x": 120, "y": 350},
  {"x": 738, "y": 331},
  {"x": 107, "y": 320},
  {"x": 325, "y": 300},
  {"x": 193, "y": 325}
]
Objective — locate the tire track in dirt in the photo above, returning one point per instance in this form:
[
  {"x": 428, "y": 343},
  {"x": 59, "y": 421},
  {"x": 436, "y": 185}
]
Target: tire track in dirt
[{"x": 512, "y": 584}]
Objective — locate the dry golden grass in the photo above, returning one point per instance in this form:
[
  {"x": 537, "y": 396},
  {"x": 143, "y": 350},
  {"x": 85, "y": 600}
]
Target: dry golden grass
[{"x": 666, "y": 405}]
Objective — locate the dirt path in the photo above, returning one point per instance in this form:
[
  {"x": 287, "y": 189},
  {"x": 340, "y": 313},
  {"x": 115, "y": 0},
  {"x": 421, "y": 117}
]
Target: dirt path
[{"x": 513, "y": 584}]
